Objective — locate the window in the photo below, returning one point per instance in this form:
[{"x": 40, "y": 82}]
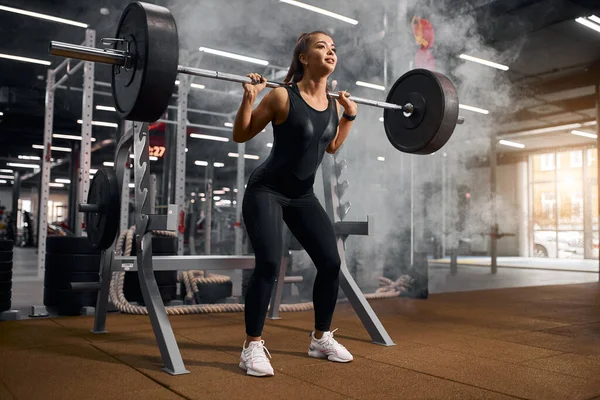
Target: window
[
  {"x": 547, "y": 161},
  {"x": 576, "y": 159},
  {"x": 576, "y": 206},
  {"x": 548, "y": 202},
  {"x": 591, "y": 157}
]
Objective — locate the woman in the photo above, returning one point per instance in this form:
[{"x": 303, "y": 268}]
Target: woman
[{"x": 305, "y": 125}]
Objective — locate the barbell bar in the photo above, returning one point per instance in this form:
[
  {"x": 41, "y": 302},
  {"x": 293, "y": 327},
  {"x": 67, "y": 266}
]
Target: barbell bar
[{"x": 420, "y": 112}]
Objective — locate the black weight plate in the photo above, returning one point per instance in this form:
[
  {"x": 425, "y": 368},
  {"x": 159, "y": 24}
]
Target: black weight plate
[
  {"x": 5, "y": 266},
  {"x": 70, "y": 263},
  {"x": 161, "y": 245},
  {"x": 5, "y": 286},
  {"x": 211, "y": 293},
  {"x": 102, "y": 226},
  {"x": 142, "y": 92},
  {"x": 4, "y": 305},
  {"x": 62, "y": 279},
  {"x": 134, "y": 293},
  {"x": 6, "y": 256},
  {"x": 68, "y": 302},
  {"x": 5, "y": 296},
  {"x": 435, "y": 115},
  {"x": 5, "y": 276},
  {"x": 6, "y": 245},
  {"x": 70, "y": 245}
]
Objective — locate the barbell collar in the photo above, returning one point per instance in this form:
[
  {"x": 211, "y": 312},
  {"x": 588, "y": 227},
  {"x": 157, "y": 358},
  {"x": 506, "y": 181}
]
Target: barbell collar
[{"x": 86, "y": 53}]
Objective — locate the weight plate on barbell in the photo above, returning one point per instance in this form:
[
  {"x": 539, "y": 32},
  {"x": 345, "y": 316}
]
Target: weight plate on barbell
[
  {"x": 102, "y": 226},
  {"x": 142, "y": 91},
  {"x": 434, "y": 117}
]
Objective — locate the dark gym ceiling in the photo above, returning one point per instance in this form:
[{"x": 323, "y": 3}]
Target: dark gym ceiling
[{"x": 552, "y": 68}]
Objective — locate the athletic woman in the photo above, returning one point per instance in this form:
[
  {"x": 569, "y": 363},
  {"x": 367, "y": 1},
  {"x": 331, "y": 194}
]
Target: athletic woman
[{"x": 306, "y": 123}]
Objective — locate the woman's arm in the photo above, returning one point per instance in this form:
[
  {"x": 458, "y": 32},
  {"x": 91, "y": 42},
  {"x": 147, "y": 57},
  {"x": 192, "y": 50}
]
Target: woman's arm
[
  {"x": 345, "y": 125},
  {"x": 248, "y": 123}
]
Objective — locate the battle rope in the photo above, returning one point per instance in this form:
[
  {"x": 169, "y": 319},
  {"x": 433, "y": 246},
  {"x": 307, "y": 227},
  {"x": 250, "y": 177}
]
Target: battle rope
[{"x": 191, "y": 280}]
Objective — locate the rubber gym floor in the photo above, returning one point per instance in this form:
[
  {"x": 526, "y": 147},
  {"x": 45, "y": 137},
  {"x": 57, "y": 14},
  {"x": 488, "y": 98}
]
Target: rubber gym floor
[{"x": 532, "y": 342}]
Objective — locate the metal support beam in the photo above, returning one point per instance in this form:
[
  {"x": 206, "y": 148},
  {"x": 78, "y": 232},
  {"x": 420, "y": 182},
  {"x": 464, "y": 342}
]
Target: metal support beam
[
  {"x": 87, "y": 112},
  {"x": 209, "y": 207},
  {"x": 494, "y": 225},
  {"x": 16, "y": 193},
  {"x": 73, "y": 177},
  {"x": 180, "y": 154}
]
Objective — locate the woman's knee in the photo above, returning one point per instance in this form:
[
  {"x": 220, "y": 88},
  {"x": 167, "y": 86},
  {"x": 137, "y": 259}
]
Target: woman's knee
[
  {"x": 266, "y": 268},
  {"x": 330, "y": 265}
]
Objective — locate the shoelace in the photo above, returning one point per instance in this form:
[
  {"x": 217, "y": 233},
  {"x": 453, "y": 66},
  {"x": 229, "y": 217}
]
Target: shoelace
[
  {"x": 261, "y": 354},
  {"x": 331, "y": 342}
]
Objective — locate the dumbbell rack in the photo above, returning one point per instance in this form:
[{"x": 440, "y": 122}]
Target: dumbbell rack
[{"x": 146, "y": 264}]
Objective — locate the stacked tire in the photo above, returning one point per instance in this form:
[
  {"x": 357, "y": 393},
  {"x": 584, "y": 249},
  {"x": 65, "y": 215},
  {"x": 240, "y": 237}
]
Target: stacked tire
[
  {"x": 166, "y": 280},
  {"x": 70, "y": 259},
  {"x": 6, "y": 257}
]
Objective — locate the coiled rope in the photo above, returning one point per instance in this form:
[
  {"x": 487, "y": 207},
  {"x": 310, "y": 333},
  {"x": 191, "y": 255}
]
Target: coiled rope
[{"x": 193, "y": 278}]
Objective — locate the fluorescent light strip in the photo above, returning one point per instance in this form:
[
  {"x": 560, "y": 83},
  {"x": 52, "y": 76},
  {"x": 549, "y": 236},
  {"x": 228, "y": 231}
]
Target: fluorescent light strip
[
  {"x": 370, "y": 85},
  {"x": 108, "y": 164},
  {"x": 320, "y": 11},
  {"x": 209, "y": 137},
  {"x": 511, "y": 144},
  {"x": 101, "y": 123},
  {"x": 69, "y": 137},
  {"x": 589, "y": 24},
  {"x": 3, "y": 181},
  {"x": 56, "y": 185},
  {"x": 228, "y": 124},
  {"x": 595, "y": 19},
  {"x": 60, "y": 180},
  {"x": 19, "y": 165},
  {"x": 24, "y": 59},
  {"x": 10, "y": 171},
  {"x": 106, "y": 108},
  {"x": 131, "y": 185},
  {"x": 54, "y": 148},
  {"x": 201, "y": 163},
  {"x": 6, "y": 177},
  {"x": 248, "y": 156},
  {"x": 474, "y": 109},
  {"x": 31, "y": 158},
  {"x": 484, "y": 62},
  {"x": 585, "y": 134},
  {"x": 218, "y": 165},
  {"x": 1, "y": 114},
  {"x": 43, "y": 16},
  {"x": 218, "y": 192},
  {"x": 194, "y": 85},
  {"x": 234, "y": 56},
  {"x": 93, "y": 170}
]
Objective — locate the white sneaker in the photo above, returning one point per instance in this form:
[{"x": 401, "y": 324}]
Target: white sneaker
[
  {"x": 327, "y": 347},
  {"x": 254, "y": 359}
]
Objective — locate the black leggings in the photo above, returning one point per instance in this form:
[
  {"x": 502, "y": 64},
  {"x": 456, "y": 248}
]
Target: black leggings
[{"x": 264, "y": 213}]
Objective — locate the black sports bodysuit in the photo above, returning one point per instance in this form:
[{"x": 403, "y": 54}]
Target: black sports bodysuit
[{"x": 281, "y": 189}]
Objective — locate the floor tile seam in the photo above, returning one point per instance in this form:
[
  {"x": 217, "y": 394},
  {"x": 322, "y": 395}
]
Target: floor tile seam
[
  {"x": 161, "y": 384},
  {"x": 7, "y": 388}
]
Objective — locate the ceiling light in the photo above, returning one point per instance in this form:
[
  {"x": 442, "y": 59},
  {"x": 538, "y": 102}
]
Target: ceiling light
[
  {"x": 595, "y": 19},
  {"x": 218, "y": 165},
  {"x": 43, "y": 16},
  {"x": 248, "y": 156},
  {"x": 93, "y": 170},
  {"x": 234, "y": 56},
  {"x": 69, "y": 137},
  {"x": 101, "y": 123},
  {"x": 34, "y": 158},
  {"x": 108, "y": 164},
  {"x": 105, "y": 108},
  {"x": 60, "y": 180},
  {"x": 474, "y": 109},
  {"x": 227, "y": 189},
  {"x": 589, "y": 24},
  {"x": 370, "y": 85},
  {"x": 218, "y": 192},
  {"x": 10, "y": 171},
  {"x": 484, "y": 62},
  {"x": 235, "y": 190},
  {"x": 511, "y": 144},
  {"x": 194, "y": 85},
  {"x": 585, "y": 134},
  {"x": 201, "y": 163},
  {"x": 131, "y": 185},
  {"x": 19, "y": 165},
  {"x": 320, "y": 11},
  {"x": 209, "y": 137},
  {"x": 6, "y": 177},
  {"x": 57, "y": 185},
  {"x": 380, "y": 158},
  {"x": 3, "y": 181},
  {"x": 55, "y": 148},
  {"x": 1, "y": 114},
  {"x": 216, "y": 198},
  {"x": 228, "y": 124},
  {"x": 24, "y": 59}
]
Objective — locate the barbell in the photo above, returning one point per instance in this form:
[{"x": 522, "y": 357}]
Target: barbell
[{"x": 420, "y": 111}]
